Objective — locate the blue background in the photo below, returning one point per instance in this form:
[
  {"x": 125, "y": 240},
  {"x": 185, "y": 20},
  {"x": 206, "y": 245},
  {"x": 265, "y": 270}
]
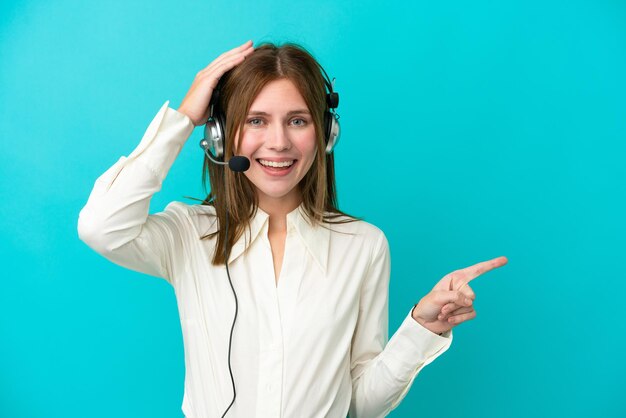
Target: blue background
[{"x": 470, "y": 130}]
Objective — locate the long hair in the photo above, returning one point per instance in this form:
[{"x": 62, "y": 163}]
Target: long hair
[{"x": 234, "y": 196}]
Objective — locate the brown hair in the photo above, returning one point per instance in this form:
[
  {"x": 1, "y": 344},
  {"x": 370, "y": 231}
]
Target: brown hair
[{"x": 234, "y": 196}]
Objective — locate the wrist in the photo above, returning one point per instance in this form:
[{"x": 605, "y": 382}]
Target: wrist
[
  {"x": 421, "y": 321},
  {"x": 186, "y": 113}
]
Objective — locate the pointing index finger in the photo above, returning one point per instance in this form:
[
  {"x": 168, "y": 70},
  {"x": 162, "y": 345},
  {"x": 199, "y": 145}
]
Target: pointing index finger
[{"x": 476, "y": 270}]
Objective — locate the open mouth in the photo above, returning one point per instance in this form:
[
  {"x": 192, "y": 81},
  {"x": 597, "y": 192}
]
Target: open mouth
[{"x": 276, "y": 166}]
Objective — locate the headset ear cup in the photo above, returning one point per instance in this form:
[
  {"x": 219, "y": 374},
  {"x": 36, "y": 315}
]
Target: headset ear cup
[
  {"x": 220, "y": 146},
  {"x": 327, "y": 126},
  {"x": 214, "y": 130},
  {"x": 331, "y": 131},
  {"x": 214, "y": 135}
]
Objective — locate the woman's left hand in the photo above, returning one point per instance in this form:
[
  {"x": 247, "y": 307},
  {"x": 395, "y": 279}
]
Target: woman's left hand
[{"x": 451, "y": 300}]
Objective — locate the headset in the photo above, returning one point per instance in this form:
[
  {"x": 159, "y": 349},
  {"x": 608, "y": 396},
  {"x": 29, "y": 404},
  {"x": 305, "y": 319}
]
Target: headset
[{"x": 215, "y": 128}]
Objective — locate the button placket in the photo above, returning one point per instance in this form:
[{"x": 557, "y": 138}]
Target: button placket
[{"x": 269, "y": 389}]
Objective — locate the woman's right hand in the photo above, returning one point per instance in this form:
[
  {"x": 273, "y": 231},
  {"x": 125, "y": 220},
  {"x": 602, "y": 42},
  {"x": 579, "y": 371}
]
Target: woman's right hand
[{"x": 196, "y": 103}]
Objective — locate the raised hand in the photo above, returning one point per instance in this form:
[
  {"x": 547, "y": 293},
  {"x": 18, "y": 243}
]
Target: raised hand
[
  {"x": 451, "y": 301},
  {"x": 196, "y": 102}
]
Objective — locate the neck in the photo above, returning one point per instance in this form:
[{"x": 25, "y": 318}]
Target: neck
[{"x": 278, "y": 208}]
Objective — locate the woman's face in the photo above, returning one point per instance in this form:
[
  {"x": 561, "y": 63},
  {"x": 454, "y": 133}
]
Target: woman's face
[{"x": 279, "y": 139}]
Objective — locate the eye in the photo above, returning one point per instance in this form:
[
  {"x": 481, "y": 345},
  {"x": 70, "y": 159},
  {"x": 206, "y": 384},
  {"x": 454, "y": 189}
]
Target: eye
[
  {"x": 254, "y": 122},
  {"x": 299, "y": 122}
]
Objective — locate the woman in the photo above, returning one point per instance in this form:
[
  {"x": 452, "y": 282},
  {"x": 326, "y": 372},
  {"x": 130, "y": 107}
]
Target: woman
[{"x": 307, "y": 284}]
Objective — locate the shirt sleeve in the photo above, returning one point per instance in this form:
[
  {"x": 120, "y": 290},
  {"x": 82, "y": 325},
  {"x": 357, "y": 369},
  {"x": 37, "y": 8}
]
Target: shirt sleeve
[
  {"x": 383, "y": 372},
  {"x": 115, "y": 221}
]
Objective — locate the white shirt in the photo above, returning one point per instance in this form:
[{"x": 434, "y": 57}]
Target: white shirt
[{"x": 312, "y": 345}]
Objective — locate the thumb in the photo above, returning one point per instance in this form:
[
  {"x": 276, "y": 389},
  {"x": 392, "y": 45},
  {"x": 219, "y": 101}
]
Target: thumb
[{"x": 431, "y": 305}]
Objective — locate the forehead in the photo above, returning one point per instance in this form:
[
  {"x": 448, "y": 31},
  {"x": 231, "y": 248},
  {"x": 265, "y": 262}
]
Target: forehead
[{"x": 278, "y": 96}]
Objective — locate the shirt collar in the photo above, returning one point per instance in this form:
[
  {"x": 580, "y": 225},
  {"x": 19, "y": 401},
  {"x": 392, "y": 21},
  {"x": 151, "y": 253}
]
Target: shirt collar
[
  {"x": 314, "y": 236},
  {"x": 257, "y": 223}
]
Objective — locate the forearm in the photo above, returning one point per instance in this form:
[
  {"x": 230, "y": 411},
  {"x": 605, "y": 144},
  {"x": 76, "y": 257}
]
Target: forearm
[{"x": 381, "y": 384}]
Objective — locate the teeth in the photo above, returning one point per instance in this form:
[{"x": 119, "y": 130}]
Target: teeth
[{"x": 276, "y": 164}]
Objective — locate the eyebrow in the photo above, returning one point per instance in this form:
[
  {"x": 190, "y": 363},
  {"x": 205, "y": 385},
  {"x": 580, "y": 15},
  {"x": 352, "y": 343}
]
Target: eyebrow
[{"x": 290, "y": 113}]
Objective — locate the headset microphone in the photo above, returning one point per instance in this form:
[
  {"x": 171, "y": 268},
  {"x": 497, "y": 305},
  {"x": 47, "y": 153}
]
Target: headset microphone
[{"x": 237, "y": 163}]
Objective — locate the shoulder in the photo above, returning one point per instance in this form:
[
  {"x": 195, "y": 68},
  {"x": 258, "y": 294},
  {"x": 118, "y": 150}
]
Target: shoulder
[
  {"x": 344, "y": 224},
  {"x": 357, "y": 233}
]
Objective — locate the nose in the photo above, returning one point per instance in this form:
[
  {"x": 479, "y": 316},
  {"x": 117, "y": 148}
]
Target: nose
[{"x": 278, "y": 138}]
